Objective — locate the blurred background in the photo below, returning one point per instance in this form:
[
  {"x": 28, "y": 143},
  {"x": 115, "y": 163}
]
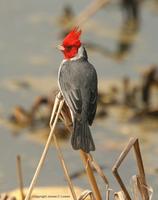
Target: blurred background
[{"x": 121, "y": 41}]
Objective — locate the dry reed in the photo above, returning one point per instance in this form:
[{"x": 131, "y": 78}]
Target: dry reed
[
  {"x": 20, "y": 177},
  {"x": 139, "y": 184}
]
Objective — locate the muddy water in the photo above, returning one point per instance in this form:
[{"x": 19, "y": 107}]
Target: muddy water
[{"x": 28, "y": 67}]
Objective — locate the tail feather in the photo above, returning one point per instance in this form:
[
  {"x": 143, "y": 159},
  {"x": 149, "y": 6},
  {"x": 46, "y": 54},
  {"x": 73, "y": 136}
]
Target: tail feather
[{"x": 82, "y": 138}]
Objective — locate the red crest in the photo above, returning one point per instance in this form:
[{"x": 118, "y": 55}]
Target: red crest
[{"x": 73, "y": 38}]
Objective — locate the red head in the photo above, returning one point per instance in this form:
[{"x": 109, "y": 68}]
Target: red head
[{"x": 71, "y": 44}]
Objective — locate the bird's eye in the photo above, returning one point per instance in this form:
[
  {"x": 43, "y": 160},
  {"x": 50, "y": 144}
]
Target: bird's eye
[{"x": 69, "y": 48}]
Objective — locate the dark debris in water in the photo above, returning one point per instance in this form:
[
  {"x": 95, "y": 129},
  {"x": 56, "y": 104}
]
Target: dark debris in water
[
  {"x": 5, "y": 196},
  {"x": 126, "y": 94},
  {"x": 21, "y": 84}
]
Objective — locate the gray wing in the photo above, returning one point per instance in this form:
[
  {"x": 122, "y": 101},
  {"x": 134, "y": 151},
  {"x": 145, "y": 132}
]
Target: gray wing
[
  {"x": 92, "y": 106},
  {"x": 78, "y": 84}
]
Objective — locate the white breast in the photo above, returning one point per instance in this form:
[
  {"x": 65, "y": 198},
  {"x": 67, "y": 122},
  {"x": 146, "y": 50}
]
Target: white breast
[
  {"x": 72, "y": 117},
  {"x": 59, "y": 73}
]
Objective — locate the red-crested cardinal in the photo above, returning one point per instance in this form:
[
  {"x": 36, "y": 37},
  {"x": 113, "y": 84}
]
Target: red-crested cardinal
[{"x": 77, "y": 80}]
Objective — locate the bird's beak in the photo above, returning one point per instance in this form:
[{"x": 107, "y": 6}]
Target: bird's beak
[{"x": 60, "y": 47}]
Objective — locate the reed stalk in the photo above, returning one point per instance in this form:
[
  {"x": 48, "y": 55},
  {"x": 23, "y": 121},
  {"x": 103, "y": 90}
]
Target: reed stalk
[
  {"x": 90, "y": 175},
  {"x": 19, "y": 175},
  {"x": 42, "y": 159}
]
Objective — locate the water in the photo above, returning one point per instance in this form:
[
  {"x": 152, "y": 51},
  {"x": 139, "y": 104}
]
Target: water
[{"x": 28, "y": 34}]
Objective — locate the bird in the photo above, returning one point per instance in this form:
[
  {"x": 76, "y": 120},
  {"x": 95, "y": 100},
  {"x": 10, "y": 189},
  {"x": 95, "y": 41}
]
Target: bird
[{"x": 78, "y": 84}]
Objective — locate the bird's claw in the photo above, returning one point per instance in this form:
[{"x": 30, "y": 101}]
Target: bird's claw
[{"x": 59, "y": 96}]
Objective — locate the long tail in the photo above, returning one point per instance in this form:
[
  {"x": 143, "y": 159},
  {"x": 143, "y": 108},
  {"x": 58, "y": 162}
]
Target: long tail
[{"x": 81, "y": 137}]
